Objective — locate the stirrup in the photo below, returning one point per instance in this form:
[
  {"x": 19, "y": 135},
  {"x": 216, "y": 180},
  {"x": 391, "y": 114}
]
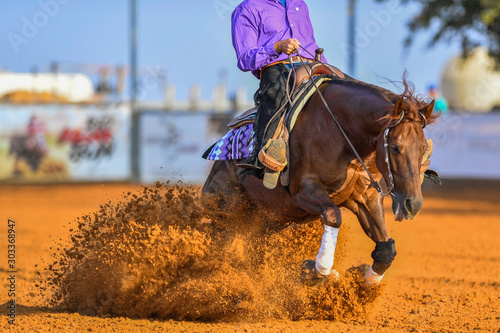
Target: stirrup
[{"x": 273, "y": 157}]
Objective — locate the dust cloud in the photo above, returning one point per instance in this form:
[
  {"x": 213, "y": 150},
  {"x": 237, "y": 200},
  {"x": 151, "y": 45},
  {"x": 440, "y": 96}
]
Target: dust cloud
[{"x": 159, "y": 254}]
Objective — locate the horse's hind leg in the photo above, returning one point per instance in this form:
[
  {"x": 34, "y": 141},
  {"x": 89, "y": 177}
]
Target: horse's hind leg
[
  {"x": 313, "y": 198},
  {"x": 222, "y": 184},
  {"x": 223, "y": 195}
]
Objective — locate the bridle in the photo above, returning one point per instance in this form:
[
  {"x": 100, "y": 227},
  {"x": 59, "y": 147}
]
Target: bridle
[
  {"x": 373, "y": 182},
  {"x": 390, "y": 186}
]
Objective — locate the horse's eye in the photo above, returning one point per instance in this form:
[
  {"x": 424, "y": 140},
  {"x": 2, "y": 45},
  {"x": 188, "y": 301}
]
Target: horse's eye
[{"x": 395, "y": 148}]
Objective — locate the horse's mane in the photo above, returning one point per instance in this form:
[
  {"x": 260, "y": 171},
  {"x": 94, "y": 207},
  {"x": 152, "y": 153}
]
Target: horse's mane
[{"x": 413, "y": 102}]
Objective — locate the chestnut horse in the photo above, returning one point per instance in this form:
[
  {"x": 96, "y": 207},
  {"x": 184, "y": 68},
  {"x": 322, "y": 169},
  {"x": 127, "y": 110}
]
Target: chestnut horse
[{"x": 386, "y": 130}]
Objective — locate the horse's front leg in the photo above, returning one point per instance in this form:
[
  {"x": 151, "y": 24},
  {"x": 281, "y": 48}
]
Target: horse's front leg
[
  {"x": 370, "y": 213},
  {"x": 313, "y": 198}
]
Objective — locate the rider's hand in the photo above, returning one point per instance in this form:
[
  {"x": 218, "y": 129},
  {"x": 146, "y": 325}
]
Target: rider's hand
[{"x": 287, "y": 46}]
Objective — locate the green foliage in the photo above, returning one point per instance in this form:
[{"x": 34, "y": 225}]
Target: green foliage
[{"x": 472, "y": 22}]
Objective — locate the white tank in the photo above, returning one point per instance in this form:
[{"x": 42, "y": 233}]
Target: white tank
[
  {"x": 75, "y": 88},
  {"x": 471, "y": 84}
]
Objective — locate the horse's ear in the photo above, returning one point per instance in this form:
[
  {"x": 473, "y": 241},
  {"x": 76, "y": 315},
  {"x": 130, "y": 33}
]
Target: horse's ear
[
  {"x": 427, "y": 111},
  {"x": 398, "y": 107}
]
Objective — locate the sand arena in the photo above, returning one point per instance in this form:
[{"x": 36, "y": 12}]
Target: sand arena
[{"x": 123, "y": 258}]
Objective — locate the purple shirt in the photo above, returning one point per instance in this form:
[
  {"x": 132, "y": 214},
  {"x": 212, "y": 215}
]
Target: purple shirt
[{"x": 258, "y": 24}]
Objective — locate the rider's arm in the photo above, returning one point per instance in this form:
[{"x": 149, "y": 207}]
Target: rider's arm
[{"x": 245, "y": 33}]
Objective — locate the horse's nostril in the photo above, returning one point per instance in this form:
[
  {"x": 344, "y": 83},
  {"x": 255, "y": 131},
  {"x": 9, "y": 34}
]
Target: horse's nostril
[
  {"x": 408, "y": 205},
  {"x": 413, "y": 206}
]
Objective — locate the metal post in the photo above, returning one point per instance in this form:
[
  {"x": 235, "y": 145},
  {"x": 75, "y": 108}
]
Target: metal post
[
  {"x": 352, "y": 38},
  {"x": 134, "y": 154}
]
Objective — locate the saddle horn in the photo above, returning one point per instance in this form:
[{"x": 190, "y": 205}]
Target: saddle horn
[{"x": 319, "y": 52}]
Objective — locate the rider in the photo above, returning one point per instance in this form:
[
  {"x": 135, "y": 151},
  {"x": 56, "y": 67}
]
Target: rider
[{"x": 265, "y": 33}]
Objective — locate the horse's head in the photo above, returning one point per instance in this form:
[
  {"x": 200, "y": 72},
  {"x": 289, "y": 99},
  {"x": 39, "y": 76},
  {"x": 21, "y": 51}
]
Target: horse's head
[{"x": 400, "y": 148}]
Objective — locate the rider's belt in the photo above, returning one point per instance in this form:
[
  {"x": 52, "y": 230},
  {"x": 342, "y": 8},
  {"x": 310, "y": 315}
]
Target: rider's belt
[{"x": 295, "y": 59}]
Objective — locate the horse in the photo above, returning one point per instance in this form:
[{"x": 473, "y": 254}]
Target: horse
[{"x": 386, "y": 130}]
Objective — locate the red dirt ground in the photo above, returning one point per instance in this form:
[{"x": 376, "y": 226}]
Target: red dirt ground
[{"x": 446, "y": 276}]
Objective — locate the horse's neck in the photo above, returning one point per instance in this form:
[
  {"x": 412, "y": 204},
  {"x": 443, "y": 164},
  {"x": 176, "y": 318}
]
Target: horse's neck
[
  {"x": 363, "y": 126},
  {"x": 357, "y": 109}
]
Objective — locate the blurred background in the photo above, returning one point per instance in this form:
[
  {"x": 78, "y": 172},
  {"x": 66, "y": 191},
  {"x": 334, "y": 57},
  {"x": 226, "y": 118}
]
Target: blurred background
[{"x": 136, "y": 90}]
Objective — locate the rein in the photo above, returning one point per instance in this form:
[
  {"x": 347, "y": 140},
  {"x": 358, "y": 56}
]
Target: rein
[{"x": 373, "y": 183}]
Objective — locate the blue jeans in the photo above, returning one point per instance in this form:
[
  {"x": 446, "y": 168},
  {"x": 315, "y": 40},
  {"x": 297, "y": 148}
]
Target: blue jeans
[{"x": 295, "y": 65}]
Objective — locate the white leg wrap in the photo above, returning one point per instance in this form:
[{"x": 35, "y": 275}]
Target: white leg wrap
[
  {"x": 326, "y": 254},
  {"x": 371, "y": 277}
]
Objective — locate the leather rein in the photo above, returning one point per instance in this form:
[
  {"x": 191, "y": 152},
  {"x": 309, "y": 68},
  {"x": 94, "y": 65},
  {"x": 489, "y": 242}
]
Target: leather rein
[{"x": 373, "y": 182}]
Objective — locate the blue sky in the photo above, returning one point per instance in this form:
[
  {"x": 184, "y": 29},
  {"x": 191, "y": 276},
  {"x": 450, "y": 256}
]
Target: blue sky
[{"x": 191, "y": 40}]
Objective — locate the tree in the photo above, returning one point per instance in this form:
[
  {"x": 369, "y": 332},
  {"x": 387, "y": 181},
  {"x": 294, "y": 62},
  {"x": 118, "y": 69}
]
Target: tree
[{"x": 472, "y": 22}]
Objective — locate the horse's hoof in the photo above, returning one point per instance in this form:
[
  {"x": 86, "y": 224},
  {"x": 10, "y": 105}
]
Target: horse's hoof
[
  {"x": 365, "y": 273},
  {"x": 372, "y": 278},
  {"x": 310, "y": 276}
]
